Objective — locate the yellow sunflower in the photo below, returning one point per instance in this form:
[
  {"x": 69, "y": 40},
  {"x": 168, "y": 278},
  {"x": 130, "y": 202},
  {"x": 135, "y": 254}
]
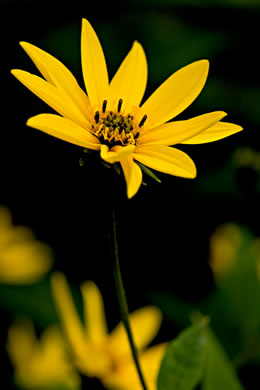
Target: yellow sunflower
[
  {"x": 111, "y": 118},
  {"x": 107, "y": 355}
]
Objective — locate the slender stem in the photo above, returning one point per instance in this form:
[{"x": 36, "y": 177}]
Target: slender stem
[{"x": 121, "y": 296}]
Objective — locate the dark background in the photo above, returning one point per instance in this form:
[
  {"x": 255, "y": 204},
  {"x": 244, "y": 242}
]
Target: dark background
[{"x": 164, "y": 230}]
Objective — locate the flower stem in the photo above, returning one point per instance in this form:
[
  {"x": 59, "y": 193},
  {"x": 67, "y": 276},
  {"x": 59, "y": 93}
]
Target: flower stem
[{"x": 121, "y": 296}]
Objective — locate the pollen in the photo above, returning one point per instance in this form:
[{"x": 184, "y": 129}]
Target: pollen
[{"x": 115, "y": 128}]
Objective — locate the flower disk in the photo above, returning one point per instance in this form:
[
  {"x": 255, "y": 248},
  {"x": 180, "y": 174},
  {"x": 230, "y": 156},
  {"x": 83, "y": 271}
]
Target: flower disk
[{"x": 114, "y": 128}]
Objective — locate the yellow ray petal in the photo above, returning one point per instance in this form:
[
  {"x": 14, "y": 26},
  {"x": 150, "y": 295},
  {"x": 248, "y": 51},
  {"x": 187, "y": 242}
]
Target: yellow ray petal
[
  {"x": 126, "y": 377},
  {"x": 117, "y": 153},
  {"x": 94, "y": 67},
  {"x": 166, "y": 159},
  {"x": 145, "y": 323},
  {"x": 175, "y": 132},
  {"x": 176, "y": 93},
  {"x": 50, "y": 95},
  {"x": 151, "y": 360},
  {"x": 88, "y": 359},
  {"x": 67, "y": 313},
  {"x": 64, "y": 129},
  {"x": 95, "y": 319},
  {"x": 218, "y": 131},
  {"x": 57, "y": 74},
  {"x": 21, "y": 342},
  {"x": 24, "y": 262},
  {"x": 130, "y": 80},
  {"x": 133, "y": 175}
]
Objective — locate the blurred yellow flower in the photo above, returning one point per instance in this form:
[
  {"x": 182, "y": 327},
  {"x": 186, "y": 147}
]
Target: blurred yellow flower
[
  {"x": 40, "y": 363},
  {"x": 23, "y": 259},
  {"x": 104, "y": 355},
  {"x": 112, "y": 121},
  {"x": 224, "y": 244}
]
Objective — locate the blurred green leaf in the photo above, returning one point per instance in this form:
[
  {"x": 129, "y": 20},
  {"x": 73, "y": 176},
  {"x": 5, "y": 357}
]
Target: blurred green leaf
[
  {"x": 183, "y": 364},
  {"x": 173, "y": 308},
  {"x": 242, "y": 285},
  {"x": 219, "y": 373},
  {"x": 34, "y": 301},
  {"x": 53, "y": 387}
]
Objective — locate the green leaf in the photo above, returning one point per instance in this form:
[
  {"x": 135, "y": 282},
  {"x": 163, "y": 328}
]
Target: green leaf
[
  {"x": 219, "y": 373},
  {"x": 34, "y": 301},
  {"x": 183, "y": 364}
]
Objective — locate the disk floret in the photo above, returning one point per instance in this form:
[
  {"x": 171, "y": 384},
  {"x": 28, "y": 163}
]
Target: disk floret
[{"x": 115, "y": 128}]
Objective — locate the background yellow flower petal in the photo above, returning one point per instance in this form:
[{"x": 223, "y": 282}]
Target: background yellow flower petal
[
  {"x": 117, "y": 153},
  {"x": 20, "y": 343},
  {"x": 40, "y": 363},
  {"x": 68, "y": 315},
  {"x": 23, "y": 259},
  {"x": 64, "y": 129},
  {"x": 133, "y": 175},
  {"x": 166, "y": 159},
  {"x": 145, "y": 324},
  {"x": 126, "y": 378},
  {"x": 218, "y": 131},
  {"x": 176, "y": 93},
  {"x": 94, "y": 67},
  {"x": 24, "y": 262},
  {"x": 50, "y": 95},
  {"x": 57, "y": 74},
  {"x": 175, "y": 132},
  {"x": 88, "y": 359},
  {"x": 130, "y": 80},
  {"x": 94, "y": 314}
]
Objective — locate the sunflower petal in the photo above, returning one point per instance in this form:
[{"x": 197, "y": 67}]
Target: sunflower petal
[
  {"x": 166, "y": 159},
  {"x": 145, "y": 324},
  {"x": 175, "y": 132},
  {"x": 218, "y": 131},
  {"x": 50, "y": 95},
  {"x": 58, "y": 75},
  {"x": 117, "y": 153},
  {"x": 95, "y": 319},
  {"x": 93, "y": 65},
  {"x": 133, "y": 175},
  {"x": 130, "y": 80},
  {"x": 176, "y": 93},
  {"x": 64, "y": 129}
]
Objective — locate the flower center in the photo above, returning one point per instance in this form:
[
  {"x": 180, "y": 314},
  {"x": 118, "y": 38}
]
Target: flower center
[{"x": 114, "y": 128}]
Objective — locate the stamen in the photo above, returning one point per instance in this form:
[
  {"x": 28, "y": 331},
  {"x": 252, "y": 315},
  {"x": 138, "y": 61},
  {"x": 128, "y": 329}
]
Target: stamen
[
  {"x": 142, "y": 120},
  {"x": 120, "y": 102},
  {"x": 96, "y": 116},
  {"x": 104, "y": 106}
]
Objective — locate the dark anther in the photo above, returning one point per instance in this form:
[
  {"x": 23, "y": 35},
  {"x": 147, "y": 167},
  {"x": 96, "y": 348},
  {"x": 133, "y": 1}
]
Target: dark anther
[
  {"x": 104, "y": 106},
  {"x": 142, "y": 121},
  {"x": 96, "y": 116},
  {"x": 120, "y": 102}
]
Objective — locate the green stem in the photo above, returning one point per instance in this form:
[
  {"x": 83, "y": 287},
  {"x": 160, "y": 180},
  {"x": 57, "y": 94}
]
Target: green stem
[{"x": 121, "y": 296}]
